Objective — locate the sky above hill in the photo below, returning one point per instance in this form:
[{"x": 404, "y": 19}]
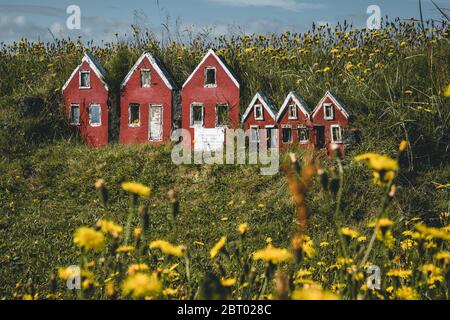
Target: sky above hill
[{"x": 101, "y": 20}]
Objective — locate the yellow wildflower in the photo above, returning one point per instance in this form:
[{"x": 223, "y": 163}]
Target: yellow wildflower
[
  {"x": 350, "y": 233},
  {"x": 218, "y": 247},
  {"x": 447, "y": 91},
  {"x": 89, "y": 239},
  {"x": 272, "y": 254},
  {"x": 228, "y": 282},
  {"x": 433, "y": 232},
  {"x": 142, "y": 285},
  {"x": 314, "y": 293},
  {"x": 403, "y": 146},
  {"x": 406, "y": 293},
  {"x": 136, "y": 188},
  {"x": 68, "y": 273},
  {"x": 243, "y": 228},
  {"x": 384, "y": 168},
  {"x": 399, "y": 273},
  {"x": 167, "y": 248},
  {"x": 109, "y": 227},
  {"x": 324, "y": 244},
  {"x": 141, "y": 267},
  {"x": 125, "y": 249}
]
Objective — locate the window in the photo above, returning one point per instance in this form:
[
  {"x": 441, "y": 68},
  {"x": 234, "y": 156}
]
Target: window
[
  {"x": 328, "y": 112},
  {"x": 336, "y": 134},
  {"x": 254, "y": 134},
  {"x": 75, "y": 114},
  {"x": 271, "y": 140},
  {"x": 222, "y": 115},
  {"x": 210, "y": 77},
  {"x": 286, "y": 135},
  {"x": 134, "y": 115},
  {"x": 259, "y": 112},
  {"x": 145, "y": 78},
  {"x": 95, "y": 115},
  {"x": 292, "y": 111},
  {"x": 303, "y": 135},
  {"x": 197, "y": 115},
  {"x": 85, "y": 79}
]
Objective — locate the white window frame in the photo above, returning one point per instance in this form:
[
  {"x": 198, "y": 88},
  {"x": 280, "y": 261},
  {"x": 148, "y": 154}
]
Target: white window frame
[
  {"x": 258, "y": 140},
  {"x": 217, "y": 115},
  {"x": 340, "y": 133},
  {"x": 325, "y": 105},
  {"x": 132, "y": 125},
  {"x": 214, "y": 85},
  {"x": 149, "y": 78},
  {"x": 268, "y": 129},
  {"x": 99, "y": 115},
  {"x": 286, "y": 127},
  {"x": 84, "y": 72},
  {"x": 298, "y": 133},
  {"x": 258, "y": 105},
  {"x": 295, "y": 117},
  {"x": 79, "y": 114},
  {"x": 197, "y": 104}
]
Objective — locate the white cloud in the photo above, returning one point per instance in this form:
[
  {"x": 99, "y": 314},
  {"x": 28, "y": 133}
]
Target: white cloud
[{"x": 291, "y": 5}]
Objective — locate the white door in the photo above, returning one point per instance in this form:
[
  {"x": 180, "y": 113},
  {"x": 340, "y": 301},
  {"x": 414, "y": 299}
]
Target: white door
[{"x": 155, "y": 123}]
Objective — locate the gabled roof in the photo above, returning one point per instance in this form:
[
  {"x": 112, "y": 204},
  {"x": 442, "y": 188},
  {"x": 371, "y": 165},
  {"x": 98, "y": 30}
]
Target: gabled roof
[
  {"x": 94, "y": 65},
  {"x": 301, "y": 104},
  {"x": 157, "y": 65},
  {"x": 222, "y": 64},
  {"x": 338, "y": 102},
  {"x": 265, "y": 101}
]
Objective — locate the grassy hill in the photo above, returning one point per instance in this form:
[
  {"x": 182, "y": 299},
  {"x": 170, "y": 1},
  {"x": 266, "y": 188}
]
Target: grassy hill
[{"x": 392, "y": 79}]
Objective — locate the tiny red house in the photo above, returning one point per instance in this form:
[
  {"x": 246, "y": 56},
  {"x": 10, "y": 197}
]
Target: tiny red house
[
  {"x": 331, "y": 118},
  {"x": 294, "y": 121},
  {"x": 85, "y": 98},
  {"x": 147, "y": 103},
  {"x": 260, "y": 114},
  {"x": 210, "y": 97}
]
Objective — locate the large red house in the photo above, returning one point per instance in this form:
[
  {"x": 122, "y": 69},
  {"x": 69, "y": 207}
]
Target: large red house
[
  {"x": 147, "y": 103},
  {"x": 85, "y": 98},
  {"x": 294, "y": 120},
  {"x": 260, "y": 114},
  {"x": 330, "y": 118},
  {"x": 210, "y": 97}
]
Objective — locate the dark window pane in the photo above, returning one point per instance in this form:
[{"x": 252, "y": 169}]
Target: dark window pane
[
  {"x": 75, "y": 114},
  {"x": 134, "y": 118},
  {"x": 287, "y": 135},
  {"x": 210, "y": 77},
  {"x": 222, "y": 115}
]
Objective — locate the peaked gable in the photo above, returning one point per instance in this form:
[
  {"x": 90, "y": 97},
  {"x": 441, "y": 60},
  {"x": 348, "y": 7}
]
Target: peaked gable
[
  {"x": 94, "y": 65},
  {"x": 299, "y": 102},
  {"x": 221, "y": 63},
  {"x": 265, "y": 101},
  {"x": 157, "y": 65},
  {"x": 338, "y": 102}
]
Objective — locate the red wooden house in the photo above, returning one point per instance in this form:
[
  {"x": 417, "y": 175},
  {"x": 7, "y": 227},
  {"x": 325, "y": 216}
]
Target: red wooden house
[
  {"x": 210, "y": 97},
  {"x": 85, "y": 98},
  {"x": 260, "y": 114},
  {"x": 330, "y": 118},
  {"x": 294, "y": 121},
  {"x": 147, "y": 103}
]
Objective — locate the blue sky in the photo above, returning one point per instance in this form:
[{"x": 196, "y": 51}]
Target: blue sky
[{"x": 100, "y": 20}]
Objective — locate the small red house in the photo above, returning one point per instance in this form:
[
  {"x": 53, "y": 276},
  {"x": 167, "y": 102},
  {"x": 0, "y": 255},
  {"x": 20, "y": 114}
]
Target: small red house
[
  {"x": 210, "y": 97},
  {"x": 260, "y": 114},
  {"x": 85, "y": 98},
  {"x": 331, "y": 118},
  {"x": 147, "y": 103},
  {"x": 294, "y": 121}
]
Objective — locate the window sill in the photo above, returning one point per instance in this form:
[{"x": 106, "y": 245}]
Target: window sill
[
  {"x": 84, "y": 88},
  {"x": 210, "y": 86},
  {"x": 304, "y": 142},
  {"x": 134, "y": 125}
]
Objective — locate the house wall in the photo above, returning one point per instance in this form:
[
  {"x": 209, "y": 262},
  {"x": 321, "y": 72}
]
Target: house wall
[
  {"x": 339, "y": 119},
  {"x": 157, "y": 94},
  {"x": 226, "y": 92},
  {"x": 97, "y": 94},
  {"x": 301, "y": 120}
]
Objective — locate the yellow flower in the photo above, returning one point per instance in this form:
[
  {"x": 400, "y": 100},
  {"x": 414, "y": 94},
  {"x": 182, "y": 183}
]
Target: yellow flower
[
  {"x": 168, "y": 248},
  {"x": 444, "y": 256},
  {"x": 324, "y": 244},
  {"x": 142, "y": 267},
  {"x": 136, "y": 188},
  {"x": 89, "y": 239},
  {"x": 406, "y": 293},
  {"x": 403, "y": 146},
  {"x": 142, "y": 285},
  {"x": 228, "y": 282},
  {"x": 447, "y": 91},
  {"x": 361, "y": 238},
  {"x": 243, "y": 228},
  {"x": 384, "y": 168},
  {"x": 109, "y": 227},
  {"x": 433, "y": 232},
  {"x": 170, "y": 292},
  {"x": 314, "y": 293},
  {"x": 68, "y": 273},
  {"x": 408, "y": 244},
  {"x": 218, "y": 247},
  {"x": 350, "y": 233},
  {"x": 125, "y": 249},
  {"x": 399, "y": 273},
  {"x": 272, "y": 254}
]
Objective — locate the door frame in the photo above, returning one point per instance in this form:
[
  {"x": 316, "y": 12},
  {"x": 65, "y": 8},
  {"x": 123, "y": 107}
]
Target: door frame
[{"x": 150, "y": 121}]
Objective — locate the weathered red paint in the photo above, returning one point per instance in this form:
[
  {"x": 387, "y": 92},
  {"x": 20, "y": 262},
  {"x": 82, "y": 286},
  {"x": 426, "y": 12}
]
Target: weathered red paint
[
  {"x": 194, "y": 91},
  {"x": 96, "y": 94},
  {"x": 320, "y": 121},
  {"x": 158, "y": 94}
]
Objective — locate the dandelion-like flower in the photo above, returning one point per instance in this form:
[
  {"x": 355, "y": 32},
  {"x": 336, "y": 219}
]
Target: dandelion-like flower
[
  {"x": 168, "y": 248},
  {"x": 273, "y": 255},
  {"x": 218, "y": 247},
  {"x": 384, "y": 168},
  {"x": 137, "y": 188},
  {"x": 89, "y": 239},
  {"x": 141, "y": 285},
  {"x": 109, "y": 227}
]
